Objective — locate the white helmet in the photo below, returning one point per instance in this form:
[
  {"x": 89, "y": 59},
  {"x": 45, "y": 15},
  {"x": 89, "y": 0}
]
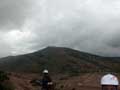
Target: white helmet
[
  {"x": 45, "y": 71},
  {"x": 109, "y": 79}
]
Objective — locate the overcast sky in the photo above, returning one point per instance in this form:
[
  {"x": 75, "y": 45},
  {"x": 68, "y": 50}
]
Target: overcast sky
[{"x": 86, "y": 25}]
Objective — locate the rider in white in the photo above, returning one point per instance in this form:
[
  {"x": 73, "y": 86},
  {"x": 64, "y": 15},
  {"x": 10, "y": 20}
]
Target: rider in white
[{"x": 46, "y": 81}]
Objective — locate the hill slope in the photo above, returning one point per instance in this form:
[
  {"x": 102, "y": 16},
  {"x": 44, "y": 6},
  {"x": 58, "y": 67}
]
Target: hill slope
[{"x": 59, "y": 60}]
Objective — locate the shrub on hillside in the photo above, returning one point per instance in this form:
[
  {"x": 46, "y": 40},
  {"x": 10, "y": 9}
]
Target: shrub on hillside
[{"x": 4, "y": 83}]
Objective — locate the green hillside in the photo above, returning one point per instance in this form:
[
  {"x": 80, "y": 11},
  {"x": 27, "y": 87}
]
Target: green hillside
[{"x": 60, "y": 60}]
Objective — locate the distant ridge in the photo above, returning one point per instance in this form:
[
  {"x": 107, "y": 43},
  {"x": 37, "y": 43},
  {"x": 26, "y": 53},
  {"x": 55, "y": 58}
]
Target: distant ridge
[{"x": 60, "y": 60}]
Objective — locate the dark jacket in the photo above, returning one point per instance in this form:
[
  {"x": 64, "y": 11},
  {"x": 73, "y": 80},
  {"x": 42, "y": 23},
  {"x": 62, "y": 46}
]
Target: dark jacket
[{"x": 45, "y": 80}]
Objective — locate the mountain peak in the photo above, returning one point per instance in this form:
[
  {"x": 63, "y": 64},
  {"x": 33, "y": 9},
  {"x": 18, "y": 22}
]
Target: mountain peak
[{"x": 59, "y": 60}]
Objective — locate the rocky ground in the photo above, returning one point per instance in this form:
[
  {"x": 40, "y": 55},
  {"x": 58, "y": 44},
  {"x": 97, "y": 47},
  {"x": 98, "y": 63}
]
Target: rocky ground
[{"x": 81, "y": 82}]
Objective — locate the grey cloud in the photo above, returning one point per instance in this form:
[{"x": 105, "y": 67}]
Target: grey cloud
[
  {"x": 114, "y": 40},
  {"x": 88, "y": 29},
  {"x": 14, "y": 12},
  {"x": 89, "y": 25}
]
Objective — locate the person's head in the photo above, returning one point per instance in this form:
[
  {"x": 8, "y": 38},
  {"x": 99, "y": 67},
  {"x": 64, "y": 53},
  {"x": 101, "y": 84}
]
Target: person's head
[
  {"x": 109, "y": 82},
  {"x": 45, "y": 71}
]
